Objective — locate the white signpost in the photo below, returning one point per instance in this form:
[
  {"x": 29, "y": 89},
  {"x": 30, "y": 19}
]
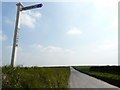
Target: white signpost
[
  {"x": 20, "y": 8},
  {"x": 31, "y": 7}
]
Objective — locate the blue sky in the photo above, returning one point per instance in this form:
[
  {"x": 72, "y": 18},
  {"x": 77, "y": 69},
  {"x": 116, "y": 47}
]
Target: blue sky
[{"x": 63, "y": 33}]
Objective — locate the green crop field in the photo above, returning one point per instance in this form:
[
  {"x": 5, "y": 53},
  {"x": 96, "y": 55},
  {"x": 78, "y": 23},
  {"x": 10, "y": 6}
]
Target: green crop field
[
  {"x": 106, "y": 73},
  {"x": 35, "y": 77}
]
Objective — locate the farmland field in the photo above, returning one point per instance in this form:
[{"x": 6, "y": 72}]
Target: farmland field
[
  {"x": 110, "y": 74},
  {"x": 35, "y": 77}
]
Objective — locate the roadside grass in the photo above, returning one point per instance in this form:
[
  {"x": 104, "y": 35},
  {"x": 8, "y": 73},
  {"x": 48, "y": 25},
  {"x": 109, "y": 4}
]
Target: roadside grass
[
  {"x": 35, "y": 77},
  {"x": 112, "y": 78},
  {"x": 82, "y": 68},
  {"x": 106, "y": 75},
  {"x": 0, "y": 78}
]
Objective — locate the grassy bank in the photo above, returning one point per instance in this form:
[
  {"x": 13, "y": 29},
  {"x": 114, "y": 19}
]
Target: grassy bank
[
  {"x": 35, "y": 77},
  {"x": 106, "y": 73}
]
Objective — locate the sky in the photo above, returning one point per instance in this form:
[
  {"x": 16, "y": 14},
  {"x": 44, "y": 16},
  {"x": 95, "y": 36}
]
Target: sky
[{"x": 62, "y": 33}]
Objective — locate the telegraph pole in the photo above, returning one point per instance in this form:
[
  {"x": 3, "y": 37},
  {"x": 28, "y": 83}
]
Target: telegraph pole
[{"x": 20, "y": 8}]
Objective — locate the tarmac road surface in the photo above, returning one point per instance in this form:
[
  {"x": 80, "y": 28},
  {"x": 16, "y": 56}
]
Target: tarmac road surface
[{"x": 80, "y": 80}]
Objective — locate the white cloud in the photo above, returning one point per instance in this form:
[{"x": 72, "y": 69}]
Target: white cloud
[
  {"x": 107, "y": 46},
  {"x": 36, "y": 46},
  {"x": 8, "y": 21},
  {"x": 115, "y": 24},
  {"x": 50, "y": 55},
  {"x": 29, "y": 18},
  {"x": 35, "y": 14},
  {"x": 105, "y": 4},
  {"x": 45, "y": 55},
  {"x": 53, "y": 49},
  {"x": 2, "y": 36},
  {"x": 50, "y": 48},
  {"x": 74, "y": 31}
]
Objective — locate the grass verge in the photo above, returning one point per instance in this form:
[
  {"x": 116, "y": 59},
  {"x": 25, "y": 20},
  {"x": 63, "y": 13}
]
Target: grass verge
[{"x": 35, "y": 77}]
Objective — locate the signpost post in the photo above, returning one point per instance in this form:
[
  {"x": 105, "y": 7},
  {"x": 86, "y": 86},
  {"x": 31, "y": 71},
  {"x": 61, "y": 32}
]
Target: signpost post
[{"x": 20, "y": 8}]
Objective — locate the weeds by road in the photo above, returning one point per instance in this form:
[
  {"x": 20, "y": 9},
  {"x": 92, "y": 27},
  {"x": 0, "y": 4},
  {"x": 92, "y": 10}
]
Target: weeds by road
[{"x": 35, "y": 77}]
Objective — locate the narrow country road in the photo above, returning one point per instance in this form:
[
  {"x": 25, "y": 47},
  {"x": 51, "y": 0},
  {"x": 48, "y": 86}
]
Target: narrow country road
[{"x": 80, "y": 80}]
